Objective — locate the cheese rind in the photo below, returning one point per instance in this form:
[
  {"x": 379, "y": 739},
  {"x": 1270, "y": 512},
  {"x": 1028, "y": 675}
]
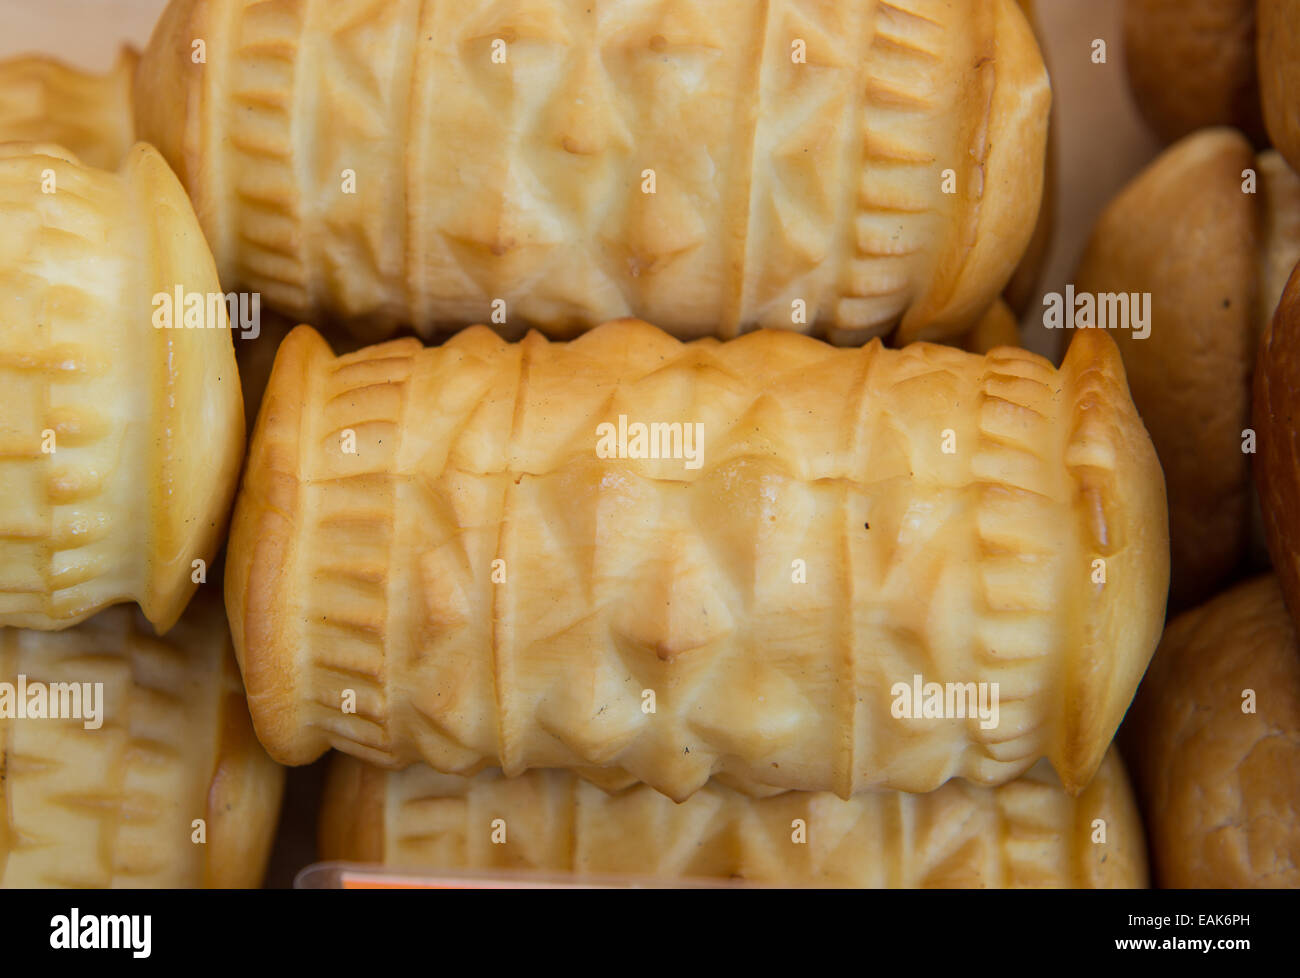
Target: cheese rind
[
  {"x": 1028, "y": 833},
  {"x": 713, "y": 167},
  {"x": 170, "y": 789},
  {"x": 120, "y": 442},
  {"x": 46, "y": 101},
  {"x": 430, "y": 559}
]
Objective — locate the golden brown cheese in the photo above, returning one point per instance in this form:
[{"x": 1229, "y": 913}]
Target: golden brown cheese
[
  {"x": 1208, "y": 260},
  {"x": 120, "y": 442},
  {"x": 434, "y": 533},
  {"x": 1214, "y": 742},
  {"x": 46, "y": 101},
  {"x": 1027, "y": 833},
  {"x": 171, "y": 758},
  {"x": 710, "y": 166}
]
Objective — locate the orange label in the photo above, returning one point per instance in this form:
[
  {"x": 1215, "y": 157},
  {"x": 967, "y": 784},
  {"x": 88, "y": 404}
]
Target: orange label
[{"x": 358, "y": 881}]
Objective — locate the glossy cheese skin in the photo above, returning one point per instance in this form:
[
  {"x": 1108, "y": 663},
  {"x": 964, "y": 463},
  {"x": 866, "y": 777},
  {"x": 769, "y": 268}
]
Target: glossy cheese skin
[
  {"x": 435, "y": 533},
  {"x": 1028, "y": 833},
  {"x": 710, "y": 165},
  {"x": 120, "y": 442},
  {"x": 116, "y": 805}
]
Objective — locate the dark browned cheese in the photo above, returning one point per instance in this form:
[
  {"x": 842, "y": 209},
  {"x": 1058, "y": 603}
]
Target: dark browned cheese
[
  {"x": 1277, "y": 460},
  {"x": 1191, "y": 64}
]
